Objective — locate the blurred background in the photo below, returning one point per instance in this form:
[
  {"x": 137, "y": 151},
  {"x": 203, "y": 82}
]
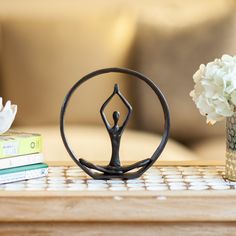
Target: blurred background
[{"x": 46, "y": 46}]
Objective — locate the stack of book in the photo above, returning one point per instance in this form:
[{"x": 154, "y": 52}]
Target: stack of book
[{"x": 21, "y": 157}]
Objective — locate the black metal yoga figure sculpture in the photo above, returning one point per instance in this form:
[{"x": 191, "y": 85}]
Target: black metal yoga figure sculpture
[
  {"x": 115, "y": 133},
  {"x": 114, "y": 169}
]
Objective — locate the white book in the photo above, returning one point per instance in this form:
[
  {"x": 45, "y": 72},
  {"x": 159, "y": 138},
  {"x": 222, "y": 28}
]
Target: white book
[
  {"x": 11, "y": 162},
  {"x": 23, "y": 173}
]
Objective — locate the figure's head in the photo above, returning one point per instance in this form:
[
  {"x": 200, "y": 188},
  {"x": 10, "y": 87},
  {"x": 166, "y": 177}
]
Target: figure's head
[{"x": 116, "y": 116}]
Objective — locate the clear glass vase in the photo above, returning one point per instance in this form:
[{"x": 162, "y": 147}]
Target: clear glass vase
[{"x": 230, "y": 165}]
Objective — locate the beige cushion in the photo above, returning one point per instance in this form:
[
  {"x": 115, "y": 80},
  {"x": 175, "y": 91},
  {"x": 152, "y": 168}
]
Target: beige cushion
[
  {"x": 48, "y": 46},
  {"x": 92, "y": 143},
  {"x": 173, "y": 39},
  {"x": 212, "y": 149}
]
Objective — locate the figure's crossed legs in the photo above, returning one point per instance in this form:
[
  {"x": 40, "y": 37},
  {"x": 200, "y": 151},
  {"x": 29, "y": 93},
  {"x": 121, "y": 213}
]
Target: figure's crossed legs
[{"x": 114, "y": 170}]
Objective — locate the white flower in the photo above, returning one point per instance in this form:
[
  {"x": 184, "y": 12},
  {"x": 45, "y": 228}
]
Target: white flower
[
  {"x": 7, "y": 116},
  {"x": 215, "y": 88}
]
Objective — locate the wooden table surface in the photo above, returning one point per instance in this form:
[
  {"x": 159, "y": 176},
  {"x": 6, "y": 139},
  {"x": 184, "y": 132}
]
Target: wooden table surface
[{"x": 178, "y": 200}]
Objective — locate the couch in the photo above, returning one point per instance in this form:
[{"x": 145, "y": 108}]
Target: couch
[{"x": 46, "y": 46}]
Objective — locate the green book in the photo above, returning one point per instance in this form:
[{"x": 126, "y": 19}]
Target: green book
[
  {"x": 17, "y": 144},
  {"x": 23, "y": 173}
]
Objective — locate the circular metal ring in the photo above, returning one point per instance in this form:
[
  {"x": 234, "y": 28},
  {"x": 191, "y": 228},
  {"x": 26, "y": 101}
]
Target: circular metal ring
[{"x": 133, "y": 73}]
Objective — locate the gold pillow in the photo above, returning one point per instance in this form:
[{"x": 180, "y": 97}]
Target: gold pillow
[{"x": 47, "y": 47}]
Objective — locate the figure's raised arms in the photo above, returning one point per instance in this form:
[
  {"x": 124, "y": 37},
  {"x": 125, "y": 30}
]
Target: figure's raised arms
[
  {"x": 125, "y": 102},
  {"x": 104, "y": 118},
  {"x": 129, "y": 107},
  {"x": 116, "y": 89}
]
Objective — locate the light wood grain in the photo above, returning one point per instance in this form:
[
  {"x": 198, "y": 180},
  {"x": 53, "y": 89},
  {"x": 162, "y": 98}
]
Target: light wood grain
[
  {"x": 207, "y": 206},
  {"x": 117, "y": 229}
]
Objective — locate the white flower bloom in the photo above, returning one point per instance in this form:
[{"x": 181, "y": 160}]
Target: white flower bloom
[
  {"x": 7, "y": 116},
  {"x": 215, "y": 88},
  {"x": 233, "y": 97}
]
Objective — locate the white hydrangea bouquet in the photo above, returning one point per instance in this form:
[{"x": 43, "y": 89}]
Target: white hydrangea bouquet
[
  {"x": 215, "y": 88},
  {"x": 215, "y": 96}
]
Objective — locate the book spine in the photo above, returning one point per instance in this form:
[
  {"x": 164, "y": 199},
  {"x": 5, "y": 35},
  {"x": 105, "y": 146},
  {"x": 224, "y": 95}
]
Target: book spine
[
  {"x": 23, "y": 175},
  {"x": 20, "y": 146},
  {"x": 21, "y": 160}
]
